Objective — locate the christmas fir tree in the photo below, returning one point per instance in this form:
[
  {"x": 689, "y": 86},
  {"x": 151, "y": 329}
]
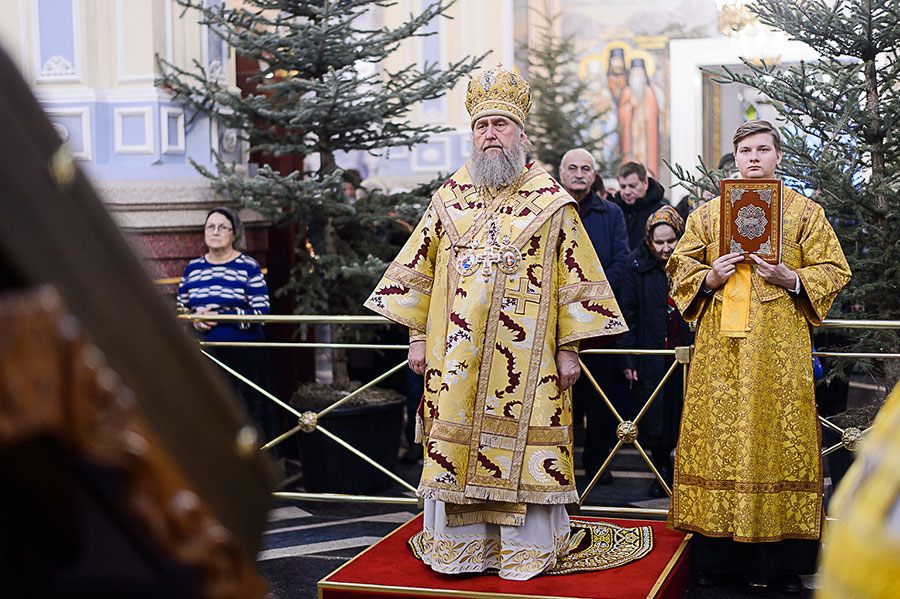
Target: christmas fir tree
[
  {"x": 839, "y": 129},
  {"x": 321, "y": 89}
]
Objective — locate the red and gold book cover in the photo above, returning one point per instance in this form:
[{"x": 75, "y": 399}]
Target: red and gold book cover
[{"x": 750, "y": 215}]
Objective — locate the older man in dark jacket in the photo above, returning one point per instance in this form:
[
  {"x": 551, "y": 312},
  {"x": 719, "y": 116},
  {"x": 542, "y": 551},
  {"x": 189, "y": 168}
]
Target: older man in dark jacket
[
  {"x": 603, "y": 220},
  {"x": 605, "y": 225}
]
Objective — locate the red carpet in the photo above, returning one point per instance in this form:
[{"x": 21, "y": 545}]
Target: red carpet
[{"x": 389, "y": 569}]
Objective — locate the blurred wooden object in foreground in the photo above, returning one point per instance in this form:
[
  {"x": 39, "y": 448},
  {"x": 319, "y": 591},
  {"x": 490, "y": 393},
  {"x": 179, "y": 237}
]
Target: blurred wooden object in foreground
[{"x": 127, "y": 468}]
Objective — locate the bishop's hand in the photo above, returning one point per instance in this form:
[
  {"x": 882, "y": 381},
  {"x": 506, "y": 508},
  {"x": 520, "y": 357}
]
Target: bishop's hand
[
  {"x": 417, "y": 357},
  {"x": 568, "y": 367}
]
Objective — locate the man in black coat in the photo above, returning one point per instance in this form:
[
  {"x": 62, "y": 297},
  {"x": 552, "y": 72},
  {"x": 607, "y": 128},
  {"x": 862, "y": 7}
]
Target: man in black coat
[
  {"x": 605, "y": 226},
  {"x": 639, "y": 196}
]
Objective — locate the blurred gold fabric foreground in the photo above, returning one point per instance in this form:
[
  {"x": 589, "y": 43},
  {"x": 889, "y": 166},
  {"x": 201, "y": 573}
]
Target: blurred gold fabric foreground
[{"x": 861, "y": 556}]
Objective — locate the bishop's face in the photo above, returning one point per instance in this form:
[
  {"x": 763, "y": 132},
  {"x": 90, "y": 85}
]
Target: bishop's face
[
  {"x": 493, "y": 133},
  {"x": 756, "y": 156}
]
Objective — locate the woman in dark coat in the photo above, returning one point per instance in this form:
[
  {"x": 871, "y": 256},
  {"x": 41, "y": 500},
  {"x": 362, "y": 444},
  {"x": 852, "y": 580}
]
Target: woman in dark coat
[{"x": 654, "y": 323}]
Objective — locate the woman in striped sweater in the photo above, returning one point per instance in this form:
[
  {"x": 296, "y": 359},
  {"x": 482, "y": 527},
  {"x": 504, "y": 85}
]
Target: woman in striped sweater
[{"x": 227, "y": 281}]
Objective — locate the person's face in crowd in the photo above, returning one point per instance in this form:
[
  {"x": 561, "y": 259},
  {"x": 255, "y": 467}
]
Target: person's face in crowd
[
  {"x": 218, "y": 233},
  {"x": 493, "y": 133},
  {"x": 756, "y": 156},
  {"x": 577, "y": 173},
  {"x": 729, "y": 169},
  {"x": 663, "y": 240},
  {"x": 631, "y": 188}
]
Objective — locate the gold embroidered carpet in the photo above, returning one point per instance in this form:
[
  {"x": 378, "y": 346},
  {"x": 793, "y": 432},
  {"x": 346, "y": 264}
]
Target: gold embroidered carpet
[{"x": 593, "y": 545}]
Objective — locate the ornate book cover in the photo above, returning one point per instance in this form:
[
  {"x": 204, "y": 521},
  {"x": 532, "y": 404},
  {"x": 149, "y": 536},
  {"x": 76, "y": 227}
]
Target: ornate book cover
[{"x": 751, "y": 218}]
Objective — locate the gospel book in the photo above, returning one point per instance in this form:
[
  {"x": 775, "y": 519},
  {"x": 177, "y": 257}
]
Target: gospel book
[{"x": 751, "y": 218}]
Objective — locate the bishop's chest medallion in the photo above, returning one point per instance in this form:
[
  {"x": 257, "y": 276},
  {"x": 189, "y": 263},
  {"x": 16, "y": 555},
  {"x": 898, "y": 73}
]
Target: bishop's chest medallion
[
  {"x": 502, "y": 253},
  {"x": 510, "y": 258}
]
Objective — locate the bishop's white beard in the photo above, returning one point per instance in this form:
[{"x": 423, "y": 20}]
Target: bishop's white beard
[{"x": 500, "y": 170}]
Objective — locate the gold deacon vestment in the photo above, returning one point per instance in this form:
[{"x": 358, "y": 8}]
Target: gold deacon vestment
[
  {"x": 496, "y": 426},
  {"x": 747, "y": 465}
]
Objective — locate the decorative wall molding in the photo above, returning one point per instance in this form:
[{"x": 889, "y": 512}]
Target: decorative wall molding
[
  {"x": 433, "y": 156},
  {"x": 432, "y": 111},
  {"x": 56, "y": 68},
  {"x": 121, "y": 75},
  {"x": 171, "y": 146},
  {"x": 214, "y": 52},
  {"x": 135, "y": 94},
  {"x": 119, "y": 145},
  {"x": 61, "y": 130},
  {"x": 84, "y": 113},
  {"x": 465, "y": 145}
]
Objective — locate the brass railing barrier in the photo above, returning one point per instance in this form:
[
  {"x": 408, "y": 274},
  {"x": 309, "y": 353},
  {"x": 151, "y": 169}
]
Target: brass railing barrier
[{"x": 626, "y": 431}]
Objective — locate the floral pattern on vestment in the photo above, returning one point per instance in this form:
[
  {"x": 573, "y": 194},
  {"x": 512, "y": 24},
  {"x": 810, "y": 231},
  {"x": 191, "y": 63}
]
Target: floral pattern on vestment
[{"x": 747, "y": 463}]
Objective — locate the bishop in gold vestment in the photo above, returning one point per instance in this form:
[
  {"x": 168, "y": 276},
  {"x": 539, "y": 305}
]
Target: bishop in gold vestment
[
  {"x": 747, "y": 463},
  {"x": 498, "y": 279}
]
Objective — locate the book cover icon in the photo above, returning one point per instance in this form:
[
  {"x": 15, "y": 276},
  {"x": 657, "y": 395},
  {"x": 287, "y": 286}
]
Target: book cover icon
[{"x": 751, "y": 218}]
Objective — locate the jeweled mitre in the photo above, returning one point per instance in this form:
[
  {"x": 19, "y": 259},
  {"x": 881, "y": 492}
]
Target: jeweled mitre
[{"x": 499, "y": 92}]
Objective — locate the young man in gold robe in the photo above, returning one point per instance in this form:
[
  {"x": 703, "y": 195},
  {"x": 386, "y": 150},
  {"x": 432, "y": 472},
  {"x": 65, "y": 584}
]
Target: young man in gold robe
[
  {"x": 497, "y": 285},
  {"x": 748, "y": 473}
]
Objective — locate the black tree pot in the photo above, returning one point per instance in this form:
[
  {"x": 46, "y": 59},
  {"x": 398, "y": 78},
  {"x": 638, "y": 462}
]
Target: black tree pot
[{"x": 372, "y": 429}]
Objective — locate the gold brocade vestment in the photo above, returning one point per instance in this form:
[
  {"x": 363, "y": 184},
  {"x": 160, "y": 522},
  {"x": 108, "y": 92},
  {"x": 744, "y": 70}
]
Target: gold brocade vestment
[
  {"x": 496, "y": 426},
  {"x": 747, "y": 464}
]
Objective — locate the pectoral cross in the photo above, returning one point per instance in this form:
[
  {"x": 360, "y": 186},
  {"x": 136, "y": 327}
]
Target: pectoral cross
[
  {"x": 488, "y": 258},
  {"x": 523, "y": 296}
]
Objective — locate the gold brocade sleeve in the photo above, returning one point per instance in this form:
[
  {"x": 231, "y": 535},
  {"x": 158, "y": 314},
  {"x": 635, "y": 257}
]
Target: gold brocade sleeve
[
  {"x": 687, "y": 267},
  {"x": 404, "y": 293},
  {"x": 587, "y": 306},
  {"x": 824, "y": 270}
]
